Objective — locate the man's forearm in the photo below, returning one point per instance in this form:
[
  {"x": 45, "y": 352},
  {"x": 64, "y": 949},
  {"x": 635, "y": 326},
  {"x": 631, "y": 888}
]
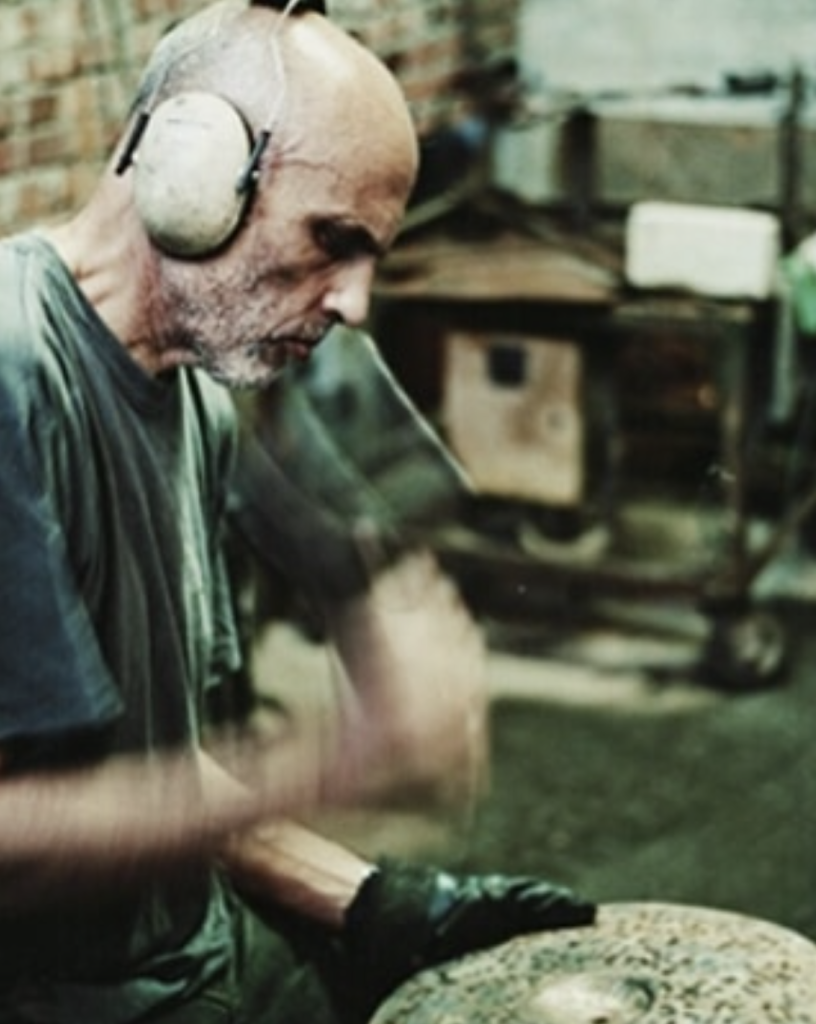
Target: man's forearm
[
  {"x": 282, "y": 863},
  {"x": 288, "y": 866},
  {"x": 90, "y": 833}
]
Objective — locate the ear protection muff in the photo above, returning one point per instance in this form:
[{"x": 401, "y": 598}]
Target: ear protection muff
[
  {"x": 194, "y": 168},
  {"x": 195, "y": 164}
]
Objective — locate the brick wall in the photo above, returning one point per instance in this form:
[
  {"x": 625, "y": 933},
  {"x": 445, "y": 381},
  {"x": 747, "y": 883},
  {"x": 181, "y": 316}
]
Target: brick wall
[{"x": 67, "y": 68}]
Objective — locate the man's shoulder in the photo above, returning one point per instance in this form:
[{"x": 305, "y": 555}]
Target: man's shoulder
[
  {"x": 21, "y": 277},
  {"x": 30, "y": 290},
  {"x": 22, "y": 256},
  {"x": 25, "y": 266}
]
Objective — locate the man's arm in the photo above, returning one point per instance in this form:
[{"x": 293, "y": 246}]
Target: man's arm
[
  {"x": 281, "y": 863},
  {"x": 412, "y": 672},
  {"x": 412, "y": 678},
  {"x": 285, "y": 865},
  {"x": 411, "y": 661},
  {"x": 89, "y": 833}
]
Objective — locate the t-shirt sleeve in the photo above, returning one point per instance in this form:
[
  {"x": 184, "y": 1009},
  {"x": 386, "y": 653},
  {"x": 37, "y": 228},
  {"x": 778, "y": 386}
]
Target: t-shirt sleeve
[{"x": 53, "y": 680}]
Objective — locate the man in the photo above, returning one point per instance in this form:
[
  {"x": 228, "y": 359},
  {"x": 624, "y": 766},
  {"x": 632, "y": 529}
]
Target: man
[{"x": 123, "y": 842}]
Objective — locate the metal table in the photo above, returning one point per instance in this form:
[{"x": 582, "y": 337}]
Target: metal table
[{"x": 513, "y": 284}]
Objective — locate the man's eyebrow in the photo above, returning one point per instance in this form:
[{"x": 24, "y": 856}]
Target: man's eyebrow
[
  {"x": 360, "y": 239},
  {"x": 344, "y": 239}
]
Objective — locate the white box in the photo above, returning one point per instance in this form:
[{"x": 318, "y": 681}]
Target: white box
[{"x": 724, "y": 252}]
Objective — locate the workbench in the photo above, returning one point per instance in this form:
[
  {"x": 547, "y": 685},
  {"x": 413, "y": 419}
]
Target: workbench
[{"x": 509, "y": 283}]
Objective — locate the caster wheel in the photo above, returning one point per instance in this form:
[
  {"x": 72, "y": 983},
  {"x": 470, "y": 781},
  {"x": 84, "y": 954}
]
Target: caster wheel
[{"x": 746, "y": 650}]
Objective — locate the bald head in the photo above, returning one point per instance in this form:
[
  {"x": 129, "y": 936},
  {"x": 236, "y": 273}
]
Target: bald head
[{"x": 303, "y": 77}]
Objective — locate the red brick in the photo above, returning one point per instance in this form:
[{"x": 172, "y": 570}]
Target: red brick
[
  {"x": 56, "y": 62},
  {"x": 42, "y": 107},
  {"x": 50, "y": 147},
  {"x": 8, "y": 156}
]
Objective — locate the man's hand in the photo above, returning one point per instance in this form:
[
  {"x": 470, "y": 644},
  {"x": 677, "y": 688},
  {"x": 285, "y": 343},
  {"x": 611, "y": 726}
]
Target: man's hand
[
  {"x": 405, "y": 918},
  {"x": 412, "y": 667}
]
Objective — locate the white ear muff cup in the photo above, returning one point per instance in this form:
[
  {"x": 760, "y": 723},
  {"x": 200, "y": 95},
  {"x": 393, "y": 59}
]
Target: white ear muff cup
[{"x": 186, "y": 170}]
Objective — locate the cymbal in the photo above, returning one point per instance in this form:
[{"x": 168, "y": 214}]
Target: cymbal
[{"x": 641, "y": 963}]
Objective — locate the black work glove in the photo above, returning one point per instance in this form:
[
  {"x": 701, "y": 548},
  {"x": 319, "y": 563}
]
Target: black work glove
[{"x": 406, "y": 917}]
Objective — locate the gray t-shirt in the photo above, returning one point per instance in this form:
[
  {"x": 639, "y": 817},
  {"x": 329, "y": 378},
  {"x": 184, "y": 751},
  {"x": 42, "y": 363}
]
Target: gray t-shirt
[{"x": 115, "y": 614}]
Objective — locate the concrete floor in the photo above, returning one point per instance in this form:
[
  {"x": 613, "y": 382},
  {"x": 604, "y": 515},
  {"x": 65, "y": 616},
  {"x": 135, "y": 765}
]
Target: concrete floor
[
  {"x": 614, "y": 770},
  {"x": 635, "y": 790}
]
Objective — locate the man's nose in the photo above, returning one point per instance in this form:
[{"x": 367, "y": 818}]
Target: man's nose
[{"x": 349, "y": 294}]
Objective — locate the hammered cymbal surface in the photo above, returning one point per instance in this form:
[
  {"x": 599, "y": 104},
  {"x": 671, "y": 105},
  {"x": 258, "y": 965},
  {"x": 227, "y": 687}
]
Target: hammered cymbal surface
[{"x": 641, "y": 963}]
